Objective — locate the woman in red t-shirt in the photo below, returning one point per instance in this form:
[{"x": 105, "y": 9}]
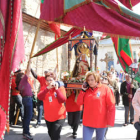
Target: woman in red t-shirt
[{"x": 54, "y": 108}]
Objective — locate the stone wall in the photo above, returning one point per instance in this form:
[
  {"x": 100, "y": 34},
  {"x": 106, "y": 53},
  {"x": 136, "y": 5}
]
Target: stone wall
[
  {"x": 31, "y": 7},
  {"x": 45, "y": 61}
]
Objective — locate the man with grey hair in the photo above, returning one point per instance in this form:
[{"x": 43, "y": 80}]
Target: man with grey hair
[{"x": 127, "y": 96}]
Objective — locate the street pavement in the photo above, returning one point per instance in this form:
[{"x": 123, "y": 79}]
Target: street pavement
[{"x": 118, "y": 132}]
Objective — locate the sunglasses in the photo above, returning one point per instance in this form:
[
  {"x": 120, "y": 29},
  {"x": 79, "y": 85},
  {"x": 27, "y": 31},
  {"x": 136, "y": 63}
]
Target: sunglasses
[{"x": 104, "y": 79}]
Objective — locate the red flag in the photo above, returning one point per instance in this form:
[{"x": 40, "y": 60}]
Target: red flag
[
  {"x": 13, "y": 53},
  {"x": 123, "y": 51},
  {"x": 62, "y": 40},
  {"x": 19, "y": 53},
  {"x": 56, "y": 29}
]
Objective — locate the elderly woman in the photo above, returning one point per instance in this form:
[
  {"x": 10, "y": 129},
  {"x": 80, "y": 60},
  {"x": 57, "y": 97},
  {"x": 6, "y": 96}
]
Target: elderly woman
[
  {"x": 136, "y": 105},
  {"x": 99, "y": 107},
  {"x": 54, "y": 108}
]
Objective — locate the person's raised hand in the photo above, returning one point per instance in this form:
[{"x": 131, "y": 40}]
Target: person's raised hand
[
  {"x": 130, "y": 95},
  {"x": 132, "y": 86},
  {"x": 85, "y": 86}
]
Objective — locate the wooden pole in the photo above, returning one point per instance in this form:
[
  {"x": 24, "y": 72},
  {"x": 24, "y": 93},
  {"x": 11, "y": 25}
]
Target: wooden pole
[
  {"x": 91, "y": 54},
  {"x": 38, "y": 25},
  {"x": 57, "y": 59},
  {"x": 69, "y": 55},
  {"x": 17, "y": 116},
  {"x": 96, "y": 62},
  {"x": 130, "y": 102},
  {"x": 97, "y": 54}
]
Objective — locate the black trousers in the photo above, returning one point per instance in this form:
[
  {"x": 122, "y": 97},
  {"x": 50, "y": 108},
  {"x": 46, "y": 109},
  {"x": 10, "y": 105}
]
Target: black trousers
[
  {"x": 54, "y": 128},
  {"x": 16, "y": 99},
  {"x": 74, "y": 120},
  {"x": 138, "y": 135}
]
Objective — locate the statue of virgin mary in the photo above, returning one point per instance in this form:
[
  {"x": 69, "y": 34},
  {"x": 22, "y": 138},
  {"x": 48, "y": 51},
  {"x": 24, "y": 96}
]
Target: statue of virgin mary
[{"x": 81, "y": 65}]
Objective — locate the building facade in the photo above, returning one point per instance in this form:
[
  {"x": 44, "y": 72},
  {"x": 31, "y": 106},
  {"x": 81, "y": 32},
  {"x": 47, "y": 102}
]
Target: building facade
[{"x": 106, "y": 46}]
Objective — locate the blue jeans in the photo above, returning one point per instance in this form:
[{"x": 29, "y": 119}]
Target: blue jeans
[
  {"x": 28, "y": 107},
  {"x": 88, "y": 132},
  {"x": 40, "y": 111}
]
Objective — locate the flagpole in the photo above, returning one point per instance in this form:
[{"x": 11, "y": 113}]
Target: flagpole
[
  {"x": 97, "y": 54},
  {"x": 33, "y": 45},
  {"x": 57, "y": 59},
  {"x": 57, "y": 64},
  {"x": 130, "y": 102}
]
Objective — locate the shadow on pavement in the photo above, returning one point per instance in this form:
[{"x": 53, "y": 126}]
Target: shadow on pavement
[
  {"x": 121, "y": 108},
  {"x": 118, "y": 139},
  {"x": 118, "y": 125}
]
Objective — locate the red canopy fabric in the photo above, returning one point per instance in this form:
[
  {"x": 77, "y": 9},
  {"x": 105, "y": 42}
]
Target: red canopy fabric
[
  {"x": 60, "y": 41},
  {"x": 106, "y": 16},
  {"x": 12, "y": 53}
]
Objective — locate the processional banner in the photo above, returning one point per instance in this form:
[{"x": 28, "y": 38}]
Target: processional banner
[{"x": 11, "y": 54}]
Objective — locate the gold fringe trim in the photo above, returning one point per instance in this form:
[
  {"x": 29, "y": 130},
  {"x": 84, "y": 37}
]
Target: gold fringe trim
[
  {"x": 59, "y": 19},
  {"x": 120, "y": 12},
  {"x": 122, "y": 36},
  {"x": 108, "y": 34},
  {"x": 89, "y": 30},
  {"x": 130, "y": 3}
]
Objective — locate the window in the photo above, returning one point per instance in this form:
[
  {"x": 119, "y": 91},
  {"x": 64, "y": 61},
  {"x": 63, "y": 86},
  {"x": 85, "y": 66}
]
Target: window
[{"x": 110, "y": 55}]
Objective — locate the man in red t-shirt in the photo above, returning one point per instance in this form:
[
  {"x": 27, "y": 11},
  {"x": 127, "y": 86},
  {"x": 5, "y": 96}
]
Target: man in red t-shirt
[
  {"x": 43, "y": 85},
  {"x": 15, "y": 98}
]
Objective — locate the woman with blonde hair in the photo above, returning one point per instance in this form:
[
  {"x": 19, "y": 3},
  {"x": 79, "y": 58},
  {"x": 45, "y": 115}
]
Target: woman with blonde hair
[{"x": 99, "y": 107}]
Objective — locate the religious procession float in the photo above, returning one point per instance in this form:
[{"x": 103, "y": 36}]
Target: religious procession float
[{"x": 85, "y": 46}]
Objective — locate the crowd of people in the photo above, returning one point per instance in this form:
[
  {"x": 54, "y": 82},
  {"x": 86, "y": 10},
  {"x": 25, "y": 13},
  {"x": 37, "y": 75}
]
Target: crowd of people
[{"x": 95, "y": 103}]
